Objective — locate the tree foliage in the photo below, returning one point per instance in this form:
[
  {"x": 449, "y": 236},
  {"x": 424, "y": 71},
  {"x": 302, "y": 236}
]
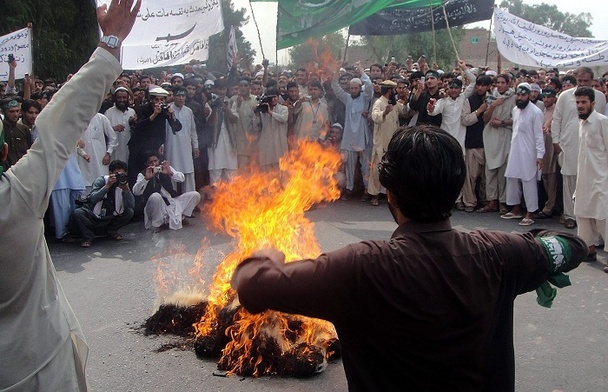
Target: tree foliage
[
  {"x": 382, "y": 48},
  {"x": 548, "y": 15},
  {"x": 318, "y": 51},
  {"x": 218, "y": 44},
  {"x": 64, "y": 32}
]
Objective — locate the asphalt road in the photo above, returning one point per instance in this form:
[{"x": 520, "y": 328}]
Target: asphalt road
[{"x": 112, "y": 289}]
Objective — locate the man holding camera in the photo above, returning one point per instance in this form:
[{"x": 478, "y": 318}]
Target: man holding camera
[
  {"x": 108, "y": 208},
  {"x": 271, "y": 122},
  {"x": 157, "y": 200},
  {"x": 153, "y": 120}
]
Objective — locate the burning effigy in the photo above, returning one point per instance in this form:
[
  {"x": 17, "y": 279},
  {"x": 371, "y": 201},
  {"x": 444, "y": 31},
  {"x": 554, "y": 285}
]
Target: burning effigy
[{"x": 260, "y": 210}]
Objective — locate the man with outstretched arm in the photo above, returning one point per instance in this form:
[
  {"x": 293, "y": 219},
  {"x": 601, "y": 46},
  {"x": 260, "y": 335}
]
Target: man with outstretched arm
[
  {"x": 42, "y": 347},
  {"x": 430, "y": 309}
]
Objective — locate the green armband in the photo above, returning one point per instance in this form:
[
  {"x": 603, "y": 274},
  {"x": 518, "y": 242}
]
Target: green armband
[{"x": 559, "y": 253}]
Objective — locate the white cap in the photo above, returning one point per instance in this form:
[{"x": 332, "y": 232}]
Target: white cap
[
  {"x": 158, "y": 91},
  {"x": 208, "y": 82}
]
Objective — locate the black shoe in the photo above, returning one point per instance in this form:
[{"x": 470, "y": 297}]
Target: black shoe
[
  {"x": 542, "y": 215},
  {"x": 591, "y": 257}
]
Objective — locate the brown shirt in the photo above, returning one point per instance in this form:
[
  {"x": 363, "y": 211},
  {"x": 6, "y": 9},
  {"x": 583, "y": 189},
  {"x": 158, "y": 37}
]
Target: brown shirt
[
  {"x": 19, "y": 140},
  {"x": 429, "y": 310}
]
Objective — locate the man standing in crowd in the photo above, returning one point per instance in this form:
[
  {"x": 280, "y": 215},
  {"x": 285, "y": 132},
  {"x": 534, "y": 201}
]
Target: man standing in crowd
[
  {"x": 525, "y": 156},
  {"x": 422, "y": 96},
  {"x": 312, "y": 115},
  {"x": 385, "y": 115},
  {"x": 201, "y": 114},
  {"x": 271, "y": 122},
  {"x": 181, "y": 148},
  {"x": 42, "y": 346},
  {"x": 151, "y": 130},
  {"x": 222, "y": 152},
  {"x": 356, "y": 140},
  {"x": 564, "y": 132},
  {"x": 157, "y": 198},
  {"x": 591, "y": 201},
  {"x": 549, "y": 172},
  {"x": 473, "y": 109},
  {"x": 426, "y": 286},
  {"x": 110, "y": 207},
  {"x": 246, "y": 139},
  {"x": 121, "y": 118},
  {"x": 17, "y": 136},
  {"x": 30, "y": 110},
  {"x": 95, "y": 149},
  {"x": 497, "y": 141}
]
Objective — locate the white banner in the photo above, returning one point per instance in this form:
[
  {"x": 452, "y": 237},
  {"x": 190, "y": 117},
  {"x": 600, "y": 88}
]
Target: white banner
[
  {"x": 170, "y": 32},
  {"x": 19, "y": 44},
  {"x": 526, "y": 43}
]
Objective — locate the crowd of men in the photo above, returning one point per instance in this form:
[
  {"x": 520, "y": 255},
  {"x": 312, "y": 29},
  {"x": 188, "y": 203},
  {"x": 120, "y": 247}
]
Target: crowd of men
[{"x": 519, "y": 133}]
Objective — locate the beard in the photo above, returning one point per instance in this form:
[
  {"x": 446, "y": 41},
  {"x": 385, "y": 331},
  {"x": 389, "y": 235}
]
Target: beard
[
  {"x": 355, "y": 96},
  {"x": 522, "y": 104},
  {"x": 122, "y": 106},
  {"x": 584, "y": 116}
]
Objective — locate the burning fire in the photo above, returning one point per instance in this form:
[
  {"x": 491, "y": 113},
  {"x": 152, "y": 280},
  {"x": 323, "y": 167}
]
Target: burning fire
[{"x": 267, "y": 210}]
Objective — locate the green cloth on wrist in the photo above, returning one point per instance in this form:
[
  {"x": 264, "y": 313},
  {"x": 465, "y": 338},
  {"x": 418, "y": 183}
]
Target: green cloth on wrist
[{"x": 559, "y": 252}]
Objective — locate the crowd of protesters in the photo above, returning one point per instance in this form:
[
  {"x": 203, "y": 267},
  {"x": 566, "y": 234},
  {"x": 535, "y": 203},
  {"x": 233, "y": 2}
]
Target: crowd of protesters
[{"x": 177, "y": 134}]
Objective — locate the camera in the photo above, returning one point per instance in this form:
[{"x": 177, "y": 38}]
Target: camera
[
  {"x": 263, "y": 104},
  {"x": 121, "y": 178},
  {"x": 11, "y": 58},
  {"x": 157, "y": 169},
  {"x": 164, "y": 108},
  {"x": 392, "y": 100}
]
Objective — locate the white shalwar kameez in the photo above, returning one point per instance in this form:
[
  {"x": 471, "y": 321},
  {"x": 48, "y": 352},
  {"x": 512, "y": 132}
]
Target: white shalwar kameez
[
  {"x": 527, "y": 145},
  {"x": 157, "y": 212},
  {"x": 591, "y": 197},
  {"x": 94, "y": 138},
  {"x": 180, "y": 147},
  {"x": 222, "y": 159},
  {"x": 118, "y": 117}
]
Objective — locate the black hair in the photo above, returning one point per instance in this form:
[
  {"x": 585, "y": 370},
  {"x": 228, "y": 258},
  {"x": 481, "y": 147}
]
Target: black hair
[
  {"x": 315, "y": 83},
  {"x": 117, "y": 165},
  {"x": 585, "y": 92},
  {"x": 556, "y": 82},
  {"x": 424, "y": 169},
  {"x": 29, "y": 103},
  {"x": 569, "y": 78},
  {"x": 292, "y": 85},
  {"x": 484, "y": 80}
]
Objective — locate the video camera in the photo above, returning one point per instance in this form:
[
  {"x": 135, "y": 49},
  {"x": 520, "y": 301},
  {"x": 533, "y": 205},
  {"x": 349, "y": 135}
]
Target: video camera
[{"x": 263, "y": 104}]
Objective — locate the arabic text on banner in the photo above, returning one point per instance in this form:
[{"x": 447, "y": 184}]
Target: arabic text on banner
[
  {"x": 171, "y": 33},
  {"x": 300, "y": 20},
  {"x": 19, "y": 44},
  {"x": 398, "y": 21},
  {"x": 526, "y": 43}
]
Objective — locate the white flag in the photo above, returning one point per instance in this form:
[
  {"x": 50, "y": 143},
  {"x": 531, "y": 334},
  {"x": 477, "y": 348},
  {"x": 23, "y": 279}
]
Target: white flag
[
  {"x": 170, "y": 33},
  {"x": 19, "y": 44},
  {"x": 526, "y": 43},
  {"x": 232, "y": 48}
]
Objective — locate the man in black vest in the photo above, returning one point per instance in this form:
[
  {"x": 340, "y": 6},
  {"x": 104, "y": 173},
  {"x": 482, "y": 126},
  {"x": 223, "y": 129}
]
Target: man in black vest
[
  {"x": 157, "y": 200},
  {"x": 472, "y": 118}
]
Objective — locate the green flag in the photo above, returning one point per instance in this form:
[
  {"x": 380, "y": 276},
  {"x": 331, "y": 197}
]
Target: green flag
[{"x": 299, "y": 20}]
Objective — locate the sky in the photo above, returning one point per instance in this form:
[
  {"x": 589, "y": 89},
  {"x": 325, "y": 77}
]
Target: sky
[{"x": 266, "y": 14}]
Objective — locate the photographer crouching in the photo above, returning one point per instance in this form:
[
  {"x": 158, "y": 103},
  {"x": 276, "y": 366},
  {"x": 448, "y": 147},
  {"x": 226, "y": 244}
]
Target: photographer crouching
[
  {"x": 157, "y": 200},
  {"x": 108, "y": 207}
]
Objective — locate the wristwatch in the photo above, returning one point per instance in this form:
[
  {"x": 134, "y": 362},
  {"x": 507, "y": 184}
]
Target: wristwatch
[{"x": 111, "y": 41}]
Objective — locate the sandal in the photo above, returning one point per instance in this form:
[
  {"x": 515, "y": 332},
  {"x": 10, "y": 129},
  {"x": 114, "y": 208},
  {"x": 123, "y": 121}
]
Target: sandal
[
  {"x": 375, "y": 201},
  {"x": 570, "y": 223},
  {"x": 85, "y": 243},
  {"x": 526, "y": 222},
  {"x": 542, "y": 215},
  {"x": 116, "y": 237},
  {"x": 487, "y": 208},
  {"x": 510, "y": 215},
  {"x": 503, "y": 209}
]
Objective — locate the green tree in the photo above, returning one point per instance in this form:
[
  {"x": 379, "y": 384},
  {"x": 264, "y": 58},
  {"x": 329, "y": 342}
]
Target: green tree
[
  {"x": 218, "y": 43},
  {"x": 382, "y": 48},
  {"x": 64, "y": 32},
  {"x": 319, "y": 52},
  {"x": 548, "y": 15}
]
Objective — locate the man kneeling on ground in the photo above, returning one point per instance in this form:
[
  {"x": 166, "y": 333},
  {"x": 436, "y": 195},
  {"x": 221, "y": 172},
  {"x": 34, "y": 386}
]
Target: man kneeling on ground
[
  {"x": 157, "y": 200},
  {"x": 110, "y": 206}
]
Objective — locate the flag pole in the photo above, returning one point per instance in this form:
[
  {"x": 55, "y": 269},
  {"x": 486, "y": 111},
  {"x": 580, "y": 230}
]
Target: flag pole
[
  {"x": 489, "y": 37},
  {"x": 447, "y": 24},
  {"x": 258, "y": 30}
]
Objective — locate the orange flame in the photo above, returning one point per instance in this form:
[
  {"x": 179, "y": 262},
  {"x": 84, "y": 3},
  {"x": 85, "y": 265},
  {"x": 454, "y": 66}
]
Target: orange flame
[{"x": 267, "y": 210}]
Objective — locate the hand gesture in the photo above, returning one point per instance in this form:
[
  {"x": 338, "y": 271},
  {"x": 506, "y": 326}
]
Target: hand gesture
[
  {"x": 111, "y": 181},
  {"x": 166, "y": 168},
  {"x": 119, "y": 19}
]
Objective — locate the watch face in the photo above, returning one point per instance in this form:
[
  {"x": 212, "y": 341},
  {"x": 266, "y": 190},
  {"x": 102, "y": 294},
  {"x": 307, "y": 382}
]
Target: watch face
[{"x": 111, "y": 40}]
